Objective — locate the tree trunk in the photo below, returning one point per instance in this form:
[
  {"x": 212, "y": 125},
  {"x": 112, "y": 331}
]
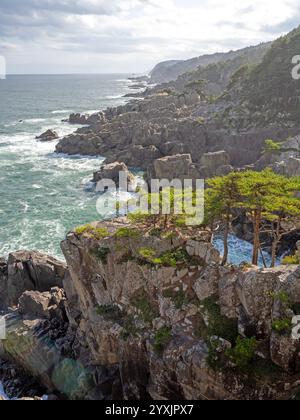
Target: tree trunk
[
  {"x": 256, "y": 240},
  {"x": 226, "y": 235},
  {"x": 276, "y": 239}
]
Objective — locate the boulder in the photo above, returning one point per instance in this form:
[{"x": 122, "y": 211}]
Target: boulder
[
  {"x": 173, "y": 167},
  {"x": 285, "y": 352},
  {"x": 216, "y": 163},
  {"x": 112, "y": 171},
  {"x": 48, "y": 135},
  {"x": 203, "y": 250},
  {"x": 43, "y": 305},
  {"x": 27, "y": 271}
]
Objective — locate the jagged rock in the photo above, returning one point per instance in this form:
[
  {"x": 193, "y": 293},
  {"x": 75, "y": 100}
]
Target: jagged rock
[
  {"x": 138, "y": 330},
  {"x": 293, "y": 167},
  {"x": 205, "y": 251},
  {"x": 29, "y": 271},
  {"x": 48, "y": 135},
  {"x": 217, "y": 163},
  {"x": 78, "y": 119},
  {"x": 32, "y": 344},
  {"x": 254, "y": 290},
  {"x": 85, "y": 144},
  {"x": 173, "y": 167},
  {"x": 120, "y": 286},
  {"x": 112, "y": 172},
  {"x": 285, "y": 352},
  {"x": 43, "y": 305}
]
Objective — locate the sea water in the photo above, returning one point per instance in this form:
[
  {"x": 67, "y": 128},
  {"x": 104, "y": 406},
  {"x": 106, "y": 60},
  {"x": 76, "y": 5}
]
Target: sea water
[{"x": 42, "y": 194}]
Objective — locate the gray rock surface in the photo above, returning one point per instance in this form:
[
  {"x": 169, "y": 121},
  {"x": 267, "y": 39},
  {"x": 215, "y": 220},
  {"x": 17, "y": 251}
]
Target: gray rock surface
[
  {"x": 26, "y": 271},
  {"x": 48, "y": 135},
  {"x": 112, "y": 171}
]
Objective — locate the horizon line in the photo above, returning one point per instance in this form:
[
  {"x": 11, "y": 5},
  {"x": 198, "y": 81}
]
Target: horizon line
[{"x": 73, "y": 74}]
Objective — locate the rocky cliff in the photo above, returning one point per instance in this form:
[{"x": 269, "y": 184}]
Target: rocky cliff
[
  {"x": 231, "y": 104},
  {"x": 146, "y": 314}
]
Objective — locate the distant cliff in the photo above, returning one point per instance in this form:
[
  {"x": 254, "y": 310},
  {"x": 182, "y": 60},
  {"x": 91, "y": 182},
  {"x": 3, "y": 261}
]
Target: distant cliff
[{"x": 170, "y": 70}]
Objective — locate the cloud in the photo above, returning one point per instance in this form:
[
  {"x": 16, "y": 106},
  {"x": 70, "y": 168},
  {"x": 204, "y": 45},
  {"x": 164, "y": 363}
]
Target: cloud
[{"x": 132, "y": 35}]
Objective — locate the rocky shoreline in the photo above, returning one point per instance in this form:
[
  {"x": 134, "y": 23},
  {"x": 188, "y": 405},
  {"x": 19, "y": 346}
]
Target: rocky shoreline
[{"x": 139, "y": 313}]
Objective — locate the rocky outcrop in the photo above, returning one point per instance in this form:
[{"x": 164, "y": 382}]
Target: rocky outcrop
[
  {"x": 27, "y": 271},
  {"x": 216, "y": 163},
  {"x": 167, "y": 124},
  {"x": 43, "y": 305},
  {"x": 152, "y": 315},
  {"x": 173, "y": 167},
  {"x": 48, "y": 135},
  {"x": 112, "y": 172},
  {"x": 155, "y": 323},
  {"x": 81, "y": 119},
  {"x": 292, "y": 167}
]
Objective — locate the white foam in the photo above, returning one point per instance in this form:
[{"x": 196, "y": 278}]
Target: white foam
[
  {"x": 34, "y": 120},
  {"x": 62, "y": 111}
]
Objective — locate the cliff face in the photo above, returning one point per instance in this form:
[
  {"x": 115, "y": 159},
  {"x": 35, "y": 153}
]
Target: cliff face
[{"x": 152, "y": 315}]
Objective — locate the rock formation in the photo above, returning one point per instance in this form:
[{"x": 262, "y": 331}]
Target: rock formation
[
  {"x": 26, "y": 271},
  {"x": 48, "y": 135},
  {"x": 156, "y": 316},
  {"x": 112, "y": 172}
]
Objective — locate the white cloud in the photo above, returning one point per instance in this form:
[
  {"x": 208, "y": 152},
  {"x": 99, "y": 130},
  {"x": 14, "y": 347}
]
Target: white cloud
[{"x": 132, "y": 35}]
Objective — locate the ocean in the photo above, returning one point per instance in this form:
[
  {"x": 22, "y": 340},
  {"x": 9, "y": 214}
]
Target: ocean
[{"x": 43, "y": 195}]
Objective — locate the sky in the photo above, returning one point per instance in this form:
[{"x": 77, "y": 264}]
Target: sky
[{"x": 131, "y": 36}]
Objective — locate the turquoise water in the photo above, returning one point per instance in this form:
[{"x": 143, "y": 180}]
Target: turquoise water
[
  {"x": 42, "y": 194},
  {"x": 241, "y": 251}
]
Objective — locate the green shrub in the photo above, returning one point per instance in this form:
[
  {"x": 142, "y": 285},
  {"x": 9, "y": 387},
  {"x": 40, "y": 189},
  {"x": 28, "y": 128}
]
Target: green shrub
[
  {"x": 127, "y": 233},
  {"x": 129, "y": 328},
  {"x": 244, "y": 352},
  {"x": 101, "y": 254},
  {"x": 218, "y": 324},
  {"x": 110, "y": 312},
  {"x": 291, "y": 260},
  {"x": 147, "y": 253},
  {"x": 282, "y": 326},
  {"x": 172, "y": 258},
  {"x": 156, "y": 232},
  {"x": 143, "y": 304},
  {"x": 178, "y": 298},
  {"x": 283, "y": 298},
  {"x": 273, "y": 147},
  {"x": 162, "y": 339},
  {"x": 97, "y": 233}
]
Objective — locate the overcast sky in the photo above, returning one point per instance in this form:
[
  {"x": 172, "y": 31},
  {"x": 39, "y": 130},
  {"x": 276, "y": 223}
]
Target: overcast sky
[{"x": 102, "y": 36}]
